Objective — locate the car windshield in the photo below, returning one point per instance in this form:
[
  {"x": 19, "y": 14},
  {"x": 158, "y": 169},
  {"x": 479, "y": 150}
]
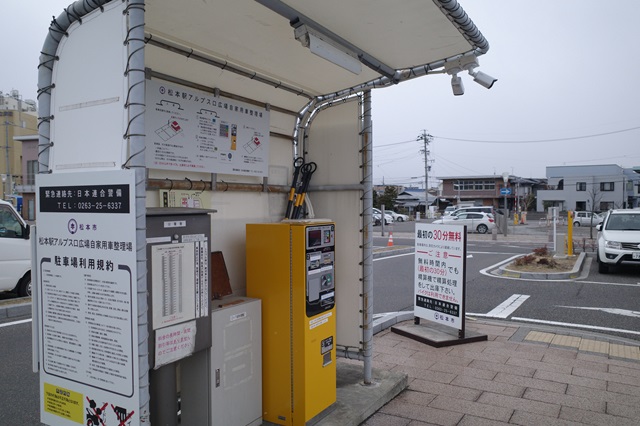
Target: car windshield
[{"x": 624, "y": 222}]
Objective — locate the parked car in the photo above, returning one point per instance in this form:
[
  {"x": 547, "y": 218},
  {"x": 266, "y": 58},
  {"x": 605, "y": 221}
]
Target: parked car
[
  {"x": 448, "y": 210},
  {"x": 15, "y": 252},
  {"x": 586, "y": 218},
  {"x": 476, "y": 209},
  {"x": 377, "y": 215},
  {"x": 397, "y": 217},
  {"x": 618, "y": 239},
  {"x": 479, "y": 222}
]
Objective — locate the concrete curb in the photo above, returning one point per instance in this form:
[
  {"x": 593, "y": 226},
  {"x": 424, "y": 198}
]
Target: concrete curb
[
  {"x": 15, "y": 310},
  {"x": 391, "y": 251},
  {"x": 572, "y": 274},
  {"x": 383, "y": 321}
]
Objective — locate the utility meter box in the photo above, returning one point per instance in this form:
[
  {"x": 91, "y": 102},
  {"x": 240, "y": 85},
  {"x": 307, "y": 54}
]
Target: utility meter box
[{"x": 290, "y": 267}]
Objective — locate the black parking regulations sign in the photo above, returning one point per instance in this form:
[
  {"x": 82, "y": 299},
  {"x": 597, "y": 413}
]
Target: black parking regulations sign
[
  {"x": 86, "y": 298},
  {"x": 439, "y": 287}
]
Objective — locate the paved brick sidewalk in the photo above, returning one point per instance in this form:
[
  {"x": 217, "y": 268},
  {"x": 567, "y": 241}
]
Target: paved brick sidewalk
[{"x": 521, "y": 375}]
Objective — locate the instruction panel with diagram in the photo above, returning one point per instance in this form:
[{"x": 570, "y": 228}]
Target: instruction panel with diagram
[{"x": 191, "y": 130}]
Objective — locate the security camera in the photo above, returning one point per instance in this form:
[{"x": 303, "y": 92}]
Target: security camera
[
  {"x": 456, "y": 85},
  {"x": 485, "y": 80}
]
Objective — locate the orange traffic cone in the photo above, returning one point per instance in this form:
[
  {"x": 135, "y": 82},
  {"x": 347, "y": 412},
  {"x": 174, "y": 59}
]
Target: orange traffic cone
[{"x": 390, "y": 243}]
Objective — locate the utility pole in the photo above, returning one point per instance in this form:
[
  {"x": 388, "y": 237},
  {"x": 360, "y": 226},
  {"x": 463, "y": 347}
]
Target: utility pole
[{"x": 426, "y": 140}]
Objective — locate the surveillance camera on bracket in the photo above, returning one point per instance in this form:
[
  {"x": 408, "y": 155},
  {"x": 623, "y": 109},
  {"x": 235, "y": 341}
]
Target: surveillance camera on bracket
[
  {"x": 468, "y": 63},
  {"x": 485, "y": 80},
  {"x": 456, "y": 85}
]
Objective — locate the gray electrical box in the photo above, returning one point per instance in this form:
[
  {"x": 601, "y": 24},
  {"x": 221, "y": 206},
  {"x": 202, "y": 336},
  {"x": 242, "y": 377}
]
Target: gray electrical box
[
  {"x": 178, "y": 253},
  {"x": 236, "y": 362}
]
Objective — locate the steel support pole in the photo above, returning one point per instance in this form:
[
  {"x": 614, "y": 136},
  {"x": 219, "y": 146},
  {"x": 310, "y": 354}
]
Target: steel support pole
[{"x": 367, "y": 244}]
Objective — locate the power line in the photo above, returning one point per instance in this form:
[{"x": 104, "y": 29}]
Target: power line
[{"x": 520, "y": 141}]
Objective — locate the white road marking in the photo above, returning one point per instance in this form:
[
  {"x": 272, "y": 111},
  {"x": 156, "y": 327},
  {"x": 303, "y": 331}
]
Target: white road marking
[
  {"x": 506, "y": 308},
  {"x": 623, "y": 312},
  {"x": 568, "y": 324},
  {"x": 7, "y": 324},
  {"x": 607, "y": 283},
  {"x": 394, "y": 256}
]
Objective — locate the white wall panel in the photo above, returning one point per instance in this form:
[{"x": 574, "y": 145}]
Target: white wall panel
[
  {"x": 334, "y": 144},
  {"x": 89, "y": 95}
]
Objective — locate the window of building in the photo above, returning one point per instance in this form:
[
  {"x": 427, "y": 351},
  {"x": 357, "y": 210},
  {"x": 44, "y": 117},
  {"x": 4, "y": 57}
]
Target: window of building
[
  {"x": 32, "y": 170},
  {"x": 607, "y": 186},
  {"x": 606, "y": 205},
  {"x": 581, "y": 186},
  {"x": 581, "y": 205},
  {"x": 474, "y": 185}
]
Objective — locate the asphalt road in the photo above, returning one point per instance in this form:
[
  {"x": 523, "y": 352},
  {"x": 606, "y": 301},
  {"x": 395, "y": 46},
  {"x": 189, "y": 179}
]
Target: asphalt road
[
  {"x": 601, "y": 303},
  {"x": 19, "y": 402},
  {"x": 594, "y": 302}
]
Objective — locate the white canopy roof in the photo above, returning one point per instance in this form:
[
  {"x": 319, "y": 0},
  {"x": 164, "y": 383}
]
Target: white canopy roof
[{"x": 402, "y": 39}]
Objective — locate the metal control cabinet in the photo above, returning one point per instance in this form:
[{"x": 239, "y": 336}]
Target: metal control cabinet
[
  {"x": 290, "y": 267},
  {"x": 178, "y": 251},
  {"x": 236, "y": 362}
]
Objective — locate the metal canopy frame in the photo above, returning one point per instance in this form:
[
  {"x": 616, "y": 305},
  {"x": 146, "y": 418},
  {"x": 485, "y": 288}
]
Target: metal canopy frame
[{"x": 250, "y": 40}]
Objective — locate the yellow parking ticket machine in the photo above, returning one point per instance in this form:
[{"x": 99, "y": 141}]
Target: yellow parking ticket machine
[{"x": 290, "y": 266}]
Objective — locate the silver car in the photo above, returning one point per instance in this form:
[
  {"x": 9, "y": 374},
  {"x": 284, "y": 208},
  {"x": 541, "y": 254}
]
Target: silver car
[
  {"x": 586, "y": 218},
  {"x": 377, "y": 216}
]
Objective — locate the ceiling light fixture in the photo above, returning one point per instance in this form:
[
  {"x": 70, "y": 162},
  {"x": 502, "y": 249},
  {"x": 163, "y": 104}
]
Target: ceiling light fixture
[{"x": 327, "y": 48}]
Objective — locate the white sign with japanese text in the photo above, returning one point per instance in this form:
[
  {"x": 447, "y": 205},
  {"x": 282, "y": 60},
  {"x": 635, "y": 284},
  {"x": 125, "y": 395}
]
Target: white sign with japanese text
[
  {"x": 174, "y": 343},
  {"x": 87, "y": 310},
  {"x": 173, "y": 282},
  {"x": 440, "y": 252},
  {"x": 191, "y": 130}
]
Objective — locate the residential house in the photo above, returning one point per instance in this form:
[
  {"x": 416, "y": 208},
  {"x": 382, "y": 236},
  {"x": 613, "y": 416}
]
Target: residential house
[
  {"x": 489, "y": 190},
  {"x": 589, "y": 187},
  {"x": 411, "y": 200}
]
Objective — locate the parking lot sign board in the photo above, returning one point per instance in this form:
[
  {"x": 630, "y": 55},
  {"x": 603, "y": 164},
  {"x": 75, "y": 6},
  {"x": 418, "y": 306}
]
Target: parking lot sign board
[
  {"x": 86, "y": 287},
  {"x": 439, "y": 284}
]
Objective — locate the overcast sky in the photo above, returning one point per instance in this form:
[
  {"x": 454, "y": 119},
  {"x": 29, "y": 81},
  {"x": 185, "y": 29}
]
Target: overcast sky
[{"x": 568, "y": 91}]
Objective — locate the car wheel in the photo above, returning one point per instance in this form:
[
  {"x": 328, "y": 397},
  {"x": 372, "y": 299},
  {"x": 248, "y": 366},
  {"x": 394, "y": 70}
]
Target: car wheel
[
  {"x": 482, "y": 228},
  {"x": 603, "y": 268},
  {"x": 400, "y": 219},
  {"x": 24, "y": 286},
  {"x": 576, "y": 224}
]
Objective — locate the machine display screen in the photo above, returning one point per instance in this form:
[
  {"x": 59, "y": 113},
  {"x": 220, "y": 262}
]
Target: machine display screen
[
  {"x": 320, "y": 237},
  {"x": 314, "y": 238}
]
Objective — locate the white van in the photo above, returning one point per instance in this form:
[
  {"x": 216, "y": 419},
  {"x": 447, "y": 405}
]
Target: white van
[{"x": 15, "y": 252}]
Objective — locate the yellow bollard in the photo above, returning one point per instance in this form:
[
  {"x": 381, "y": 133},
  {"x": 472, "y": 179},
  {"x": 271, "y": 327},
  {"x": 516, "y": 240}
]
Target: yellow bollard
[
  {"x": 515, "y": 218},
  {"x": 569, "y": 233}
]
